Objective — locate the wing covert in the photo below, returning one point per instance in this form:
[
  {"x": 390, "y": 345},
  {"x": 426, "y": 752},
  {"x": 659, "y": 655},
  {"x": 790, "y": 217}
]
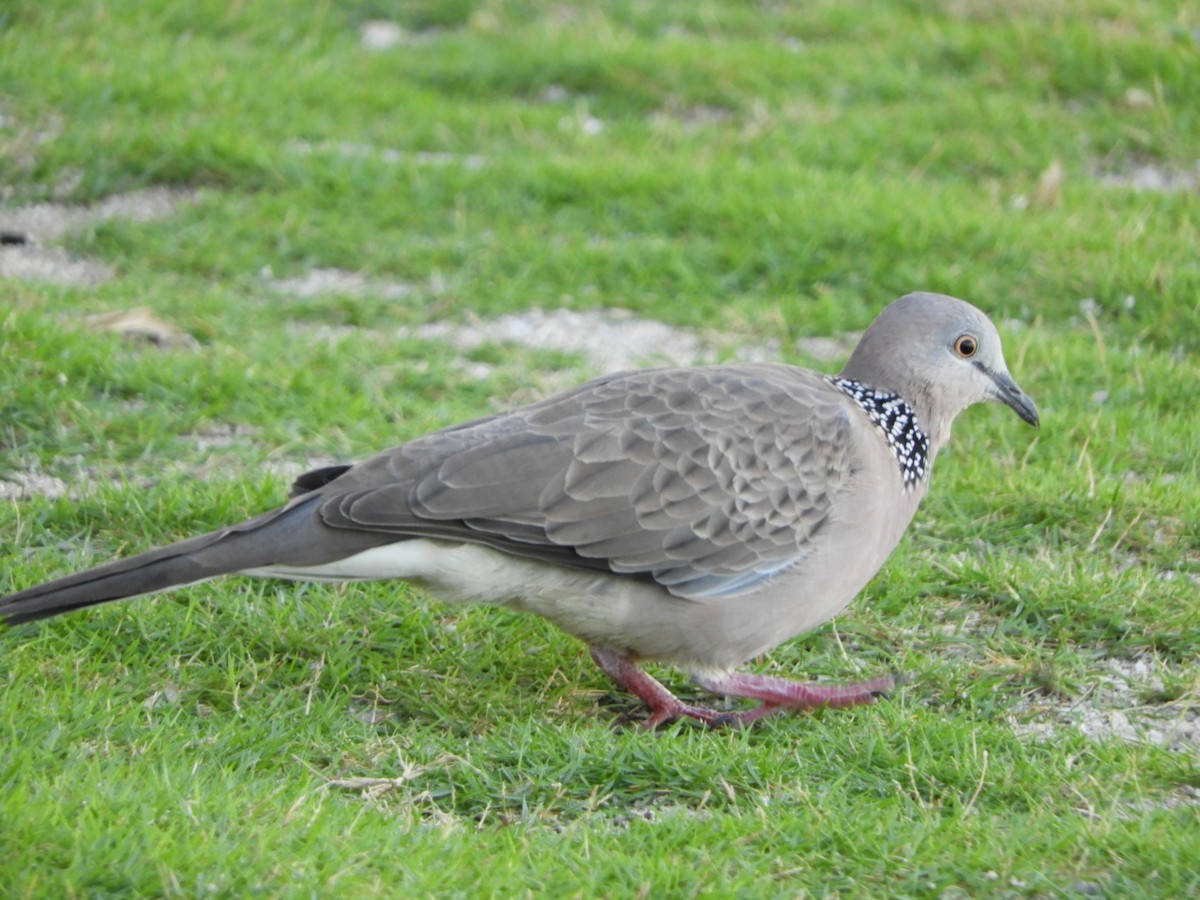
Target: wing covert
[{"x": 707, "y": 480}]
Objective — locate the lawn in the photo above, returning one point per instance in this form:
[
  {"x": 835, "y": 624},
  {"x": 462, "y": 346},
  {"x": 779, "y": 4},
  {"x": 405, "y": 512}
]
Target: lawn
[{"x": 316, "y": 202}]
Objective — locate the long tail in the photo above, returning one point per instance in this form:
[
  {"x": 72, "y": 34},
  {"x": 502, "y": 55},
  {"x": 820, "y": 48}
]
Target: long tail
[
  {"x": 155, "y": 570},
  {"x": 289, "y": 534}
]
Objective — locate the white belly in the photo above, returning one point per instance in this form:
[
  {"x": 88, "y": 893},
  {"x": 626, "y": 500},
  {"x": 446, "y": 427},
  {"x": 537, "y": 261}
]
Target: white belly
[
  {"x": 595, "y": 606},
  {"x": 629, "y": 615}
]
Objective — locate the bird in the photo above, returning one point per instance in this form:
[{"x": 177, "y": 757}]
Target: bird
[{"x": 692, "y": 516}]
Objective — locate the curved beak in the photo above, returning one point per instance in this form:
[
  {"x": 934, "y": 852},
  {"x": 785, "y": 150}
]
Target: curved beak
[{"x": 1007, "y": 392}]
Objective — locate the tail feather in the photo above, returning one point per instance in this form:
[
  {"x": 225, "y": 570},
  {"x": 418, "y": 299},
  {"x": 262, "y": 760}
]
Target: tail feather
[
  {"x": 293, "y": 534},
  {"x": 146, "y": 573}
]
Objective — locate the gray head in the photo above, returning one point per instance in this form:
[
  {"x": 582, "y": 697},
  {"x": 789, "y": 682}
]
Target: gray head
[{"x": 941, "y": 355}]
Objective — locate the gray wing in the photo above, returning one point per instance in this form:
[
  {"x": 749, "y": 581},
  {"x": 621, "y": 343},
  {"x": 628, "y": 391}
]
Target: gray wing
[{"x": 706, "y": 480}]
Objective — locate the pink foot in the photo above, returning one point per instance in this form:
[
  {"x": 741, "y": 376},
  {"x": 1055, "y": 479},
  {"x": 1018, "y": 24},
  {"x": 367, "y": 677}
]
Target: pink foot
[
  {"x": 664, "y": 706},
  {"x": 780, "y": 692},
  {"x": 775, "y": 693}
]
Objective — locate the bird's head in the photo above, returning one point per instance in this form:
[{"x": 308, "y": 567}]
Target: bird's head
[{"x": 940, "y": 354}]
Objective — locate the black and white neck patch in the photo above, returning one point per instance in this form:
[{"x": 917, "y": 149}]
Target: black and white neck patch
[{"x": 892, "y": 415}]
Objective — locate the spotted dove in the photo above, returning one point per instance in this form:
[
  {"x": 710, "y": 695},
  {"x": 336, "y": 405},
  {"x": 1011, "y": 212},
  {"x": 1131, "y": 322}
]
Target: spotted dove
[{"x": 695, "y": 516}]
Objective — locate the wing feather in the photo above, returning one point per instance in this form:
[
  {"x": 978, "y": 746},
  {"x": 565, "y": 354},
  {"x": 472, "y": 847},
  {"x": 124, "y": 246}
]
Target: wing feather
[{"x": 707, "y": 480}]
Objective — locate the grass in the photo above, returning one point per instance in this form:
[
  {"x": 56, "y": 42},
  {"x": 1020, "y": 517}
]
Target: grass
[{"x": 769, "y": 171}]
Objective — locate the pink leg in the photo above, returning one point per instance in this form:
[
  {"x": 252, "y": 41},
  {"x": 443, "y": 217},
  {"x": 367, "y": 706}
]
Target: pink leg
[
  {"x": 664, "y": 706},
  {"x": 775, "y": 693}
]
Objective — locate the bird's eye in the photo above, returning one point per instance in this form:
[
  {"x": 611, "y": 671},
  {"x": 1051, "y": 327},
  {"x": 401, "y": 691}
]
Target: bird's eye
[{"x": 966, "y": 345}]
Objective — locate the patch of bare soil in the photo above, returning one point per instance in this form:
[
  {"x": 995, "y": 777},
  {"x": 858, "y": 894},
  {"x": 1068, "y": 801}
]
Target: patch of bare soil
[
  {"x": 336, "y": 282},
  {"x": 26, "y": 485},
  {"x": 1116, "y": 708},
  {"x": 27, "y": 233},
  {"x": 1151, "y": 177},
  {"x": 607, "y": 339},
  {"x": 52, "y": 265}
]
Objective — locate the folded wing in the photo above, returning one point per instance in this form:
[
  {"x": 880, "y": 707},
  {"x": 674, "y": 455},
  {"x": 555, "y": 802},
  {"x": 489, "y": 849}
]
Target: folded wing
[{"x": 705, "y": 480}]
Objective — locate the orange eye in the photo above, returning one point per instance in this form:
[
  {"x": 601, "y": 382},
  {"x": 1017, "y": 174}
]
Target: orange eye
[{"x": 966, "y": 345}]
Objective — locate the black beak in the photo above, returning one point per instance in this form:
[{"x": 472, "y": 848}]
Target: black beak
[{"x": 1007, "y": 392}]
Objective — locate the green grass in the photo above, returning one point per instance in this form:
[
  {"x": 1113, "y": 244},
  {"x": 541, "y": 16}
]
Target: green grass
[{"x": 768, "y": 170}]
